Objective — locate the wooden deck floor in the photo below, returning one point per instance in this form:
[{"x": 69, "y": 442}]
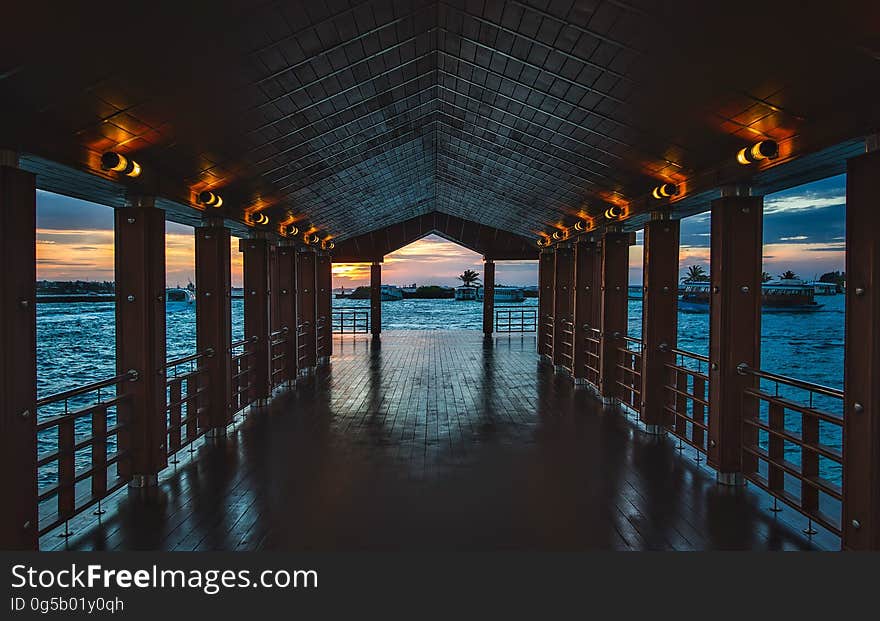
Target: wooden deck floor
[{"x": 436, "y": 440}]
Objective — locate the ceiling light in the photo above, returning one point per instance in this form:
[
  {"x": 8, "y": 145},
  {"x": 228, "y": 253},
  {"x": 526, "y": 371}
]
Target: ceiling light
[
  {"x": 209, "y": 199},
  {"x": 613, "y": 213},
  {"x": 665, "y": 191},
  {"x": 121, "y": 164},
  {"x": 766, "y": 149}
]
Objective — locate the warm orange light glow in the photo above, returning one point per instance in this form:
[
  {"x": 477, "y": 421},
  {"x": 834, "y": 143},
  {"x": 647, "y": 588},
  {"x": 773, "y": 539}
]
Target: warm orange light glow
[
  {"x": 765, "y": 149},
  {"x": 665, "y": 190},
  {"x": 117, "y": 162},
  {"x": 210, "y": 199}
]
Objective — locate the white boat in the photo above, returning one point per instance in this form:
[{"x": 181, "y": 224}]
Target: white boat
[
  {"x": 391, "y": 293},
  {"x": 179, "y": 296},
  {"x": 823, "y": 288},
  {"x": 505, "y": 294},
  {"x": 465, "y": 292},
  {"x": 777, "y": 296}
]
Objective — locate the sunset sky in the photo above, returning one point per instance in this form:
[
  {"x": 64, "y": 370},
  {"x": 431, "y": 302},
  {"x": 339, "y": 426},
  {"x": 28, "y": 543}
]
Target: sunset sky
[{"x": 803, "y": 231}]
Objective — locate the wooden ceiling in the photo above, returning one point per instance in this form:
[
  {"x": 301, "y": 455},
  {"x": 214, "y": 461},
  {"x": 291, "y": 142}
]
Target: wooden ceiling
[{"x": 350, "y": 116}]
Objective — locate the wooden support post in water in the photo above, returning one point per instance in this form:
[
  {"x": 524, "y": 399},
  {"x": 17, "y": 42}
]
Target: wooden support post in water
[
  {"x": 140, "y": 335},
  {"x": 214, "y": 320},
  {"x": 323, "y": 304},
  {"x": 306, "y": 309},
  {"x": 18, "y": 356},
  {"x": 562, "y": 302},
  {"x": 256, "y": 316},
  {"x": 546, "y": 263},
  {"x": 734, "y": 323},
  {"x": 861, "y": 416},
  {"x": 488, "y": 296},
  {"x": 287, "y": 304},
  {"x": 584, "y": 290},
  {"x": 613, "y": 309},
  {"x": 659, "y": 316},
  {"x": 376, "y": 298}
]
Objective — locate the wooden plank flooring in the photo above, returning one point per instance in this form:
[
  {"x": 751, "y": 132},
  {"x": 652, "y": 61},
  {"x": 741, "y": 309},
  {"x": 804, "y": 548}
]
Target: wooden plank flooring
[{"x": 436, "y": 440}]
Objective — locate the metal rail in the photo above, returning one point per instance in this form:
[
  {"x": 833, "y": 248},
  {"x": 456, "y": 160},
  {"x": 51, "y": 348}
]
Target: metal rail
[
  {"x": 515, "y": 319},
  {"x": 789, "y": 446},
  {"x": 76, "y": 489},
  {"x": 350, "y": 320},
  {"x": 687, "y": 398}
]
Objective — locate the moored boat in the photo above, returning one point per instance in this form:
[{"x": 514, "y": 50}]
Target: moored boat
[
  {"x": 778, "y": 296},
  {"x": 179, "y": 296},
  {"x": 505, "y": 294}
]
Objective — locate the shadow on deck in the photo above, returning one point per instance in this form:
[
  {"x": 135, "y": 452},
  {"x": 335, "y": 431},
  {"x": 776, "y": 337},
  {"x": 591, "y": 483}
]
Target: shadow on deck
[{"x": 437, "y": 440}]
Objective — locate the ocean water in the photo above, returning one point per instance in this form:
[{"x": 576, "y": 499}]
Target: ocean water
[{"x": 76, "y": 345}]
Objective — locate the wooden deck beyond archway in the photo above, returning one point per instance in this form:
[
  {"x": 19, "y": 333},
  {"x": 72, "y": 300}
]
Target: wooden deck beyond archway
[{"x": 437, "y": 440}]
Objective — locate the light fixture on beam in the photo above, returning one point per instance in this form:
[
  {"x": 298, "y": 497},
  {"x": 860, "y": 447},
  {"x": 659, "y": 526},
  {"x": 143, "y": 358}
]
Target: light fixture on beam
[
  {"x": 291, "y": 230},
  {"x": 764, "y": 150},
  {"x": 121, "y": 164},
  {"x": 260, "y": 218},
  {"x": 581, "y": 226},
  {"x": 665, "y": 190},
  {"x": 560, "y": 234},
  {"x": 327, "y": 245},
  {"x": 311, "y": 238},
  {"x": 209, "y": 199},
  {"x": 543, "y": 241},
  {"x": 613, "y": 213}
]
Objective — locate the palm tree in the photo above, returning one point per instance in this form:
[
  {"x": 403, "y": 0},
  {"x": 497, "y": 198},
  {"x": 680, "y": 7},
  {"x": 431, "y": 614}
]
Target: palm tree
[
  {"x": 765, "y": 277},
  {"x": 696, "y": 273},
  {"x": 469, "y": 278},
  {"x": 788, "y": 275}
]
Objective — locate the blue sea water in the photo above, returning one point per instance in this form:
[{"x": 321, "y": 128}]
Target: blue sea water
[{"x": 76, "y": 344}]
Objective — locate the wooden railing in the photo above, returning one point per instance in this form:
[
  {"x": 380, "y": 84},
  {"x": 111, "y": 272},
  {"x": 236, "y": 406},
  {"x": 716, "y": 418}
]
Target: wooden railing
[
  {"x": 89, "y": 425},
  {"x": 629, "y": 372},
  {"x": 793, "y": 444},
  {"x": 592, "y": 348},
  {"x": 687, "y": 398},
  {"x": 278, "y": 346},
  {"x": 186, "y": 383},
  {"x": 350, "y": 320},
  {"x": 241, "y": 375},
  {"x": 515, "y": 319}
]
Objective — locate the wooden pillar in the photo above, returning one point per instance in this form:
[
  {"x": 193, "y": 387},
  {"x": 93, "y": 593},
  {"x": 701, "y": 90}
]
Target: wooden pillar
[
  {"x": 562, "y": 303},
  {"x": 18, "y": 357},
  {"x": 488, "y": 296},
  {"x": 546, "y": 263},
  {"x": 306, "y": 309},
  {"x": 214, "y": 319},
  {"x": 324, "y": 304},
  {"x": 287, "y": 304},
  {"x": 659, "y": 315},
  {"x": 861, "y": 419},
  {"x": 256, "y": 316},
  {"x": 613, "y": 309},
  {"x": 734, "y": 323},
  {"x": 274, "y": 289},
  {"x": 140, "y": 335},
  {"x": 586, "y": 257},
  {"x": 376, "y": 298}
]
